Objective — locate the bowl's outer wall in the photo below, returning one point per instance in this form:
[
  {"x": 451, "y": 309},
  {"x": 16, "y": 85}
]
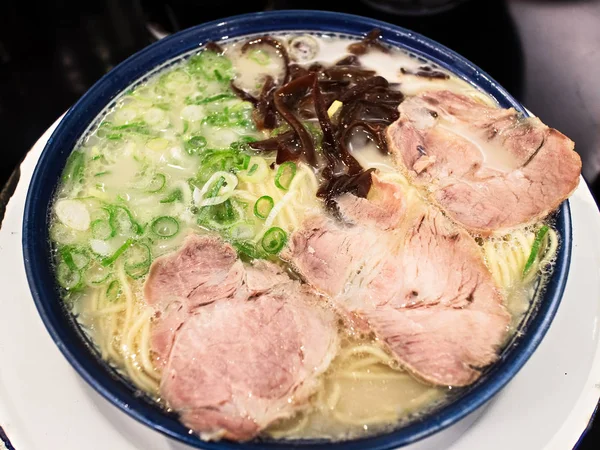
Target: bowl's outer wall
[{"x": 37, "y": 252}]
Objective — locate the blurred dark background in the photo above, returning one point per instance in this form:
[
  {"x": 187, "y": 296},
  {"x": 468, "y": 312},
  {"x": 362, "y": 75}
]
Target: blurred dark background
[{"x": 545, "y": 52}]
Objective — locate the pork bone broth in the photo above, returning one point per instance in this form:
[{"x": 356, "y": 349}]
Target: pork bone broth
[{"x": 249, "y": 141}]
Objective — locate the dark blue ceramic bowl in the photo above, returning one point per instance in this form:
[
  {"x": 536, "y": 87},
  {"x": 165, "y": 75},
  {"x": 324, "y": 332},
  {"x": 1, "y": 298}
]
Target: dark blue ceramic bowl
[{"x": 111, "y": 385}]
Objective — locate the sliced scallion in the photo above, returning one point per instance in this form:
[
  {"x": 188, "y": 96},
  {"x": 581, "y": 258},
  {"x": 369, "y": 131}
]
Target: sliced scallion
[
  {"x": 248, "y": 249},
  {"x": 195, "y": 145},
  {"x": 285, "y": 175},
  {"x": 112, "y": 258},
  {"x": 535, "y": 248},
  {"x": 215, "y": 98},
  {"x": 138, "y": 259},
  {"x": 216, "y": 190},
  {"x": 259, "y": 56},
  {"x": 67, "y": 278},
  {"x": 113, "y": 291},
  {"x": 122, "y": 220},
  {"x": 274, "y": 240},
  {"x": 257, "y": 171},
  {"x": 241, "y": 231},
  {"x": 157, "y": 144},
  {"x": 165, "y": 226},
  {"x": 101, "y": 229},
  {"x": 96, "y": 275},
  {"x": 174, "y": 196},
  {"x": 74, "y": 168},
  {"x": 157, "y": 183},
  {"x": 75, "y": 258},
  {"x": 263, "y": 206}
]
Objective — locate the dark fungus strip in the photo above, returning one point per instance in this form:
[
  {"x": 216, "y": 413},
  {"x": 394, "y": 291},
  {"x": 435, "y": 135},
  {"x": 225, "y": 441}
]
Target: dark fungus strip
[
  {"x": 243, "y": 94},
  {"x": 213, "y": 47},
  {"x": 350, "y": 60},
  {"x": 426, "y": 72},
  {"x": 363, "y": 87},
  {"x": 285, "y": 144},
  {"x": 385, "y": 96},
  {"x": 291, "y": 89},
  {"x": 376, "y": 131},
  {"x": 329, "y": 143},
  {"x": 370, "y": 40},
  {"x": 334, "y": 149},
  {"x": 367, "y": 111},
  {"x": 264, "y": 115},
  {"x": 338, "y": 73},
  {"x": 357, "y": 184},
  {"x": 297, "y": 71},
  {"x": 274, "y": 142},
  {"x": 278, "y": 46}
]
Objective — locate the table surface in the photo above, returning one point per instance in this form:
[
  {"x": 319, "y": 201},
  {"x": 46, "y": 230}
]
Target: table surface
[{"x": 69, "y": 46}]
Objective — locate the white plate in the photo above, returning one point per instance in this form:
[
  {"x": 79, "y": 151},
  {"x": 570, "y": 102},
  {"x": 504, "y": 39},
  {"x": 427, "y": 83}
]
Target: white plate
[{"x": 44, "y": 404}]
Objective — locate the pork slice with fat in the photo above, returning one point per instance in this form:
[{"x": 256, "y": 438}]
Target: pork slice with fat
[
  {"x": 488, "y": 168},
  {"x": 422, "y": 287},
  {"x": 241, "y": 345}
]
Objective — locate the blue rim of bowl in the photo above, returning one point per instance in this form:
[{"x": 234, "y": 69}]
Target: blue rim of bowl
[{"x": 76, "y": 348}]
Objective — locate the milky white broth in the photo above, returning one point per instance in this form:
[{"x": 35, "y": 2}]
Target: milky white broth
[{"x": 134, "y": 185}]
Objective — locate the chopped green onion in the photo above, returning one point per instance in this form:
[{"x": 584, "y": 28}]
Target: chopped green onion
[
  {"x": 101, "y": 229},
  {"x": 137, "y": 127},
  {"x": 248, "y": 249},
  {"x": 230, "y": 160},
  {"x": 186, "y": 126},
  {"x": 241, "y": 231},
  {"x": 74, "y": 167},
  {"x": 73, "y": 213},
  {"x": 175, "y": 80},
  {"x": 225, "y": 213},
  {"x": 216, "y": 190},
  {"x": 99, "y": 174},
  {"x": 175, "y": 196},
  {"x": 163, "y": 106},
  {"x": 63, "y": 234},
  {"x": 96, "y": 275},
  {"x": 157, "y": 183},
  {"x": 285, "y": 175},
  {"x": 157, "y": 144},
  {"x": 215, "y": 98},
  {"x": 263, "y": 207},
  {"x": 138, "y": 260},
  {"x": 67, "y": 278},
  {"x": 113, "y": 291},
  {"x": 111, "y": 259},
  {"x": 274, "y": 240},
  {"x": 76, "y": 259},
  {"x": 258, "y": 170},
  {"x": 259, "y": 56},
  {"x": 535, "y": 248},
  {"x": 195, "y": 145},
  {"x": 211, "y": 65},
  {"x": 122, "y": 220},
  {"x": 165, "y": 227}
]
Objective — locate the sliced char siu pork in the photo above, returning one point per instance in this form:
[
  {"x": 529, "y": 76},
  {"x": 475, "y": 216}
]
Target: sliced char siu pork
[
  {"x": 419, "y": 283},
  {"x": 489, "y": 169},
  {"x": 242, "y": 345}
]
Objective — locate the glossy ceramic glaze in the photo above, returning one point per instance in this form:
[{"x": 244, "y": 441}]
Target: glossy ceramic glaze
[{"x": 116, "y": 389}]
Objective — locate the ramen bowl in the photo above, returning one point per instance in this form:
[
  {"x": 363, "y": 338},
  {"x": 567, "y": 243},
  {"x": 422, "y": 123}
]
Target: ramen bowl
[{"x": 434, "y": 429}]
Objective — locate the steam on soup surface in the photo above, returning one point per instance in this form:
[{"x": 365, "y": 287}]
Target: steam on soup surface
[{"x": 232, "y": 142}]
